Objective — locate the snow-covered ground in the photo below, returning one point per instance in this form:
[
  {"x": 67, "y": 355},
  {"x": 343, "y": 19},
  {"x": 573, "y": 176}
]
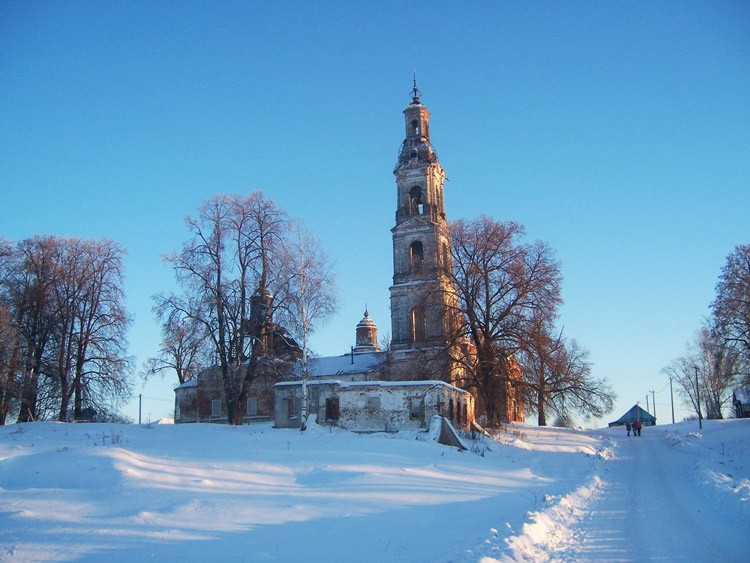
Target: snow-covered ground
[{"x": 208, "y": 492}]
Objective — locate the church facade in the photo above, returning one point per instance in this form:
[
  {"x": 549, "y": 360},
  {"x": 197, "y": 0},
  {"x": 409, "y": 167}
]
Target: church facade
[{"x": 369, "y": 389}]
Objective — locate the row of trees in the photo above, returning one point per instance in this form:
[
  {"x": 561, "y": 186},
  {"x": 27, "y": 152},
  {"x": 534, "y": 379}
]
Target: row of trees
[
  {"x": 245, "y": 272},
  {"x": 508, "y": 307},
  {"x": 718, "y": 358},
  {"x": 62, "y": 329}
]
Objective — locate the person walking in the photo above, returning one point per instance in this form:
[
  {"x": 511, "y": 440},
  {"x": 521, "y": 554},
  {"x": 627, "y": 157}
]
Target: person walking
[
  {"x": 637, "y": 428},
  {"x": 628, "y": 427}
]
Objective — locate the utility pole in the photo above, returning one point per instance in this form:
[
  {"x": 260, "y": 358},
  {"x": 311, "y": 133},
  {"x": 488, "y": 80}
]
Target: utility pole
[
  {"x": 671, "y": 397},
  {"x": 698, "y": 399},
  {"x": 647, "y": 409},
  {"x": 653, "y": 401},
  {"x": 140, "y": 403}
]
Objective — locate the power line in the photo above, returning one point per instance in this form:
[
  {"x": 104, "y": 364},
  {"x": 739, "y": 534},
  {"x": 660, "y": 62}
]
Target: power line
[{"x": 155, "y": 399}]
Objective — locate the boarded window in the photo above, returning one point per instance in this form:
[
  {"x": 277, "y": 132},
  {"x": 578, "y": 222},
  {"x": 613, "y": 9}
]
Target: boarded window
[
  {"x": 252, "y": 406},
  {"x": 216, "y": 407},
  {"x": 373, "y": 404}
]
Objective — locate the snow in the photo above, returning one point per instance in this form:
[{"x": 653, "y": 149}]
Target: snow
[
  {"x": 361, "y": 362},
  {"x": 169, "y": 492}
]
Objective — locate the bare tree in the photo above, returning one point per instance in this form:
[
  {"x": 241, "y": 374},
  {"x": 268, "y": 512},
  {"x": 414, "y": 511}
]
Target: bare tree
[
  {"x": 184, "y": 347},
  {"x": 557, "y": 377},
  {"x": 65, "y": 301},
  {"x": 706, "y": 373},
  {"x": 101, "y": 376},
  {"x": 501, "y": 284},
  {"x": 229, "y": 271},
  {"x": 310, "y": 295},
  {"x": 731, "y": 308},
  {"x": 29, "y": 288},
  {"x": 9, "y": 338},
  {"x": 10, "y": 351}
]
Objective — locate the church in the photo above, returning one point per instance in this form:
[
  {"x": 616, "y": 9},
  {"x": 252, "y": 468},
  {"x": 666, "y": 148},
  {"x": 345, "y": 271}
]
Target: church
[{"x": 368, "y": 389}]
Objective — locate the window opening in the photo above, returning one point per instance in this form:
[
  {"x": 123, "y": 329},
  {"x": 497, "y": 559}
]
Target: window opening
[
  {"x": 414, "y": 127},
  {"x": 332, "y": 408},
  {"x": 418, "y": 324},
  {"x": 417, "y": 410},
  {"x": 416, "y": 257},
  {"x": 446, "y": 258},
  {"x": 416, "y": 205}
]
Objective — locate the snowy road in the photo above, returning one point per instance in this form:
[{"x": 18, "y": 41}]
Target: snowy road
[{"x": 660, "y": 503}]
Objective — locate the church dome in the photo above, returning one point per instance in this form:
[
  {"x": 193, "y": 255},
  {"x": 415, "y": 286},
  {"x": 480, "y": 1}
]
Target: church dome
[
  {"x": 367, "y": 335},
  {"x": 366, "y": 322}
]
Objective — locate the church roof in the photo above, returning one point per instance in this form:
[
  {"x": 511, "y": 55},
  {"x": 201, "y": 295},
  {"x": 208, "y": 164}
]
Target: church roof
[{"x": 346, "y": 364}]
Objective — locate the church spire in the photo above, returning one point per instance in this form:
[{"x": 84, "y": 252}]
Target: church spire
[{"x": 415, "y": 91}]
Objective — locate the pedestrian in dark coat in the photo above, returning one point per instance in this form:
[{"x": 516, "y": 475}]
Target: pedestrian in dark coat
[
  {"x": 628, "y": 427},
  {"x": 637, "y": 427}
]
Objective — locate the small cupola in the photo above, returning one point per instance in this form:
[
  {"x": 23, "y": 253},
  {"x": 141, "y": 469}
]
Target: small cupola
[{"x": 367, "y": 335}]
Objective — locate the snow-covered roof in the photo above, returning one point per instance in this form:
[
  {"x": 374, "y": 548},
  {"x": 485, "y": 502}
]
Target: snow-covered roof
[
  {"x": 188, "y": 383},
  {"x": 346, "y": 364}
]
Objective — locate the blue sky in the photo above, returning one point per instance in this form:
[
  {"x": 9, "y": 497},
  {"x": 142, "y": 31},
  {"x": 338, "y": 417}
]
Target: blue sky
[{"x": 616, "y": 132}]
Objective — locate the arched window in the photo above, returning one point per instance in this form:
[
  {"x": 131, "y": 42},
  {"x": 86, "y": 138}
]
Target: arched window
[
  {"x": 418, "y": 324},
  {"x": 414, "y": 127},
  {"x": 416, "y": 205},
  {"x": 416, "y": 257}
]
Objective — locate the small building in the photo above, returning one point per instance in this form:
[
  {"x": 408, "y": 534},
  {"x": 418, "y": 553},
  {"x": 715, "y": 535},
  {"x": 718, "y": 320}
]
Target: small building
[
  {"x": 203, "y": 399},
  {"x": 635, "y": 413},
  {"x": 373, "y": 406},
  {"x": 741, "y": 402}
]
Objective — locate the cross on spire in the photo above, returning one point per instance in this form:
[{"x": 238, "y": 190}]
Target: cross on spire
[{"x": 415, "y": 91}]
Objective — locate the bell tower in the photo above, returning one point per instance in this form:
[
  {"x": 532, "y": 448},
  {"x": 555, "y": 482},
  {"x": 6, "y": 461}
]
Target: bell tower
[{"x": 422, "y": 294}]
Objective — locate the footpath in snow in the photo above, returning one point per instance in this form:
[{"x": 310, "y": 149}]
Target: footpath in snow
[
  {"x": 89, "y": 492},
  {"x": 673, "y": 494}
]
